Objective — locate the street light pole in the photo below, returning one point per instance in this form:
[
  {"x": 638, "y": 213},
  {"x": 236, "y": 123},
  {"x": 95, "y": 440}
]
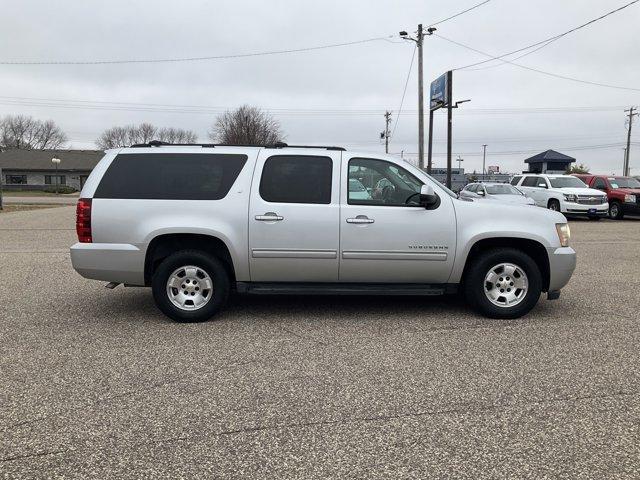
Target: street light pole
[{"x": 56, "y": 162}]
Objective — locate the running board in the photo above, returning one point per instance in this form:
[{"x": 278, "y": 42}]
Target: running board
[{"x": 295, "y": 288}]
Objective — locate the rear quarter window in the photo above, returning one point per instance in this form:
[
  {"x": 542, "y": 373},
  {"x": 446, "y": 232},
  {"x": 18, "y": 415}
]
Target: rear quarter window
[{"x": 171, "y": 176}]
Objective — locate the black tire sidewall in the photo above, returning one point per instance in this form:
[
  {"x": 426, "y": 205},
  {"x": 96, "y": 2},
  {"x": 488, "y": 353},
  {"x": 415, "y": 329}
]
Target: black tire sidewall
[
  {"x": 209, "y": 264},
  {"x": 474, "y": 283},
  {"x": 554, "y": 202}
]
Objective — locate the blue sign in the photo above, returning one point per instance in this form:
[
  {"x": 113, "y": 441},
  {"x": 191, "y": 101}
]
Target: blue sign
[{"x": 438, "y": 96}]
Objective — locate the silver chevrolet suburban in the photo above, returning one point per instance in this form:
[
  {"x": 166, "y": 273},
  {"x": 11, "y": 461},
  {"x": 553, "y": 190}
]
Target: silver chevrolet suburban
[{"x": 196, "y": 222}]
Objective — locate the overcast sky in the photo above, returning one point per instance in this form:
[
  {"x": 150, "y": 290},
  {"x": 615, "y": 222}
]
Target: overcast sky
[{"x": 334, "y": 95}]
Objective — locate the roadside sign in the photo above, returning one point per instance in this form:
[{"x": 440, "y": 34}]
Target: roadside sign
[{"x": 439, "y": 92}]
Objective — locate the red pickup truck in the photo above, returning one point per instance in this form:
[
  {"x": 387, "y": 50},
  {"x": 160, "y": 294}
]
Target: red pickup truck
[{"x": 623, "y": 193}]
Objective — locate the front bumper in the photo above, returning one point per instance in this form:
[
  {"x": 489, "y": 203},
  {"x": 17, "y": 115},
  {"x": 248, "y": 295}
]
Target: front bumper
[
  {"x": 630, "y": 208},
  {"x": 562, "y": 263},
  {"x": 578, "y": 209},
  {"x": 111, "y": 262}
]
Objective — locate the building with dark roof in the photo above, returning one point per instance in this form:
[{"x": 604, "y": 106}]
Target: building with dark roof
[
  {"x": 34, "y": 170},
  {"x": 549, "y": 162}
]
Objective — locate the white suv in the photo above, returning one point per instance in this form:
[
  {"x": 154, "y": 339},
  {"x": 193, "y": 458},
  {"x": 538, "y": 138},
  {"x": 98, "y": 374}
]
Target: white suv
[{"x": 563, "y": 193}]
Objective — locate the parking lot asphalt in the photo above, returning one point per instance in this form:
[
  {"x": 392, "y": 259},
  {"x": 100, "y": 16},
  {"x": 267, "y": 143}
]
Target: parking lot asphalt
[{"x": 96, "y": 383}]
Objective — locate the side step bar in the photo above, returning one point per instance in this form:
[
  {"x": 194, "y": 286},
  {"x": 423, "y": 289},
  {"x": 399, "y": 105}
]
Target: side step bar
[{"x": 293, "y": 288}]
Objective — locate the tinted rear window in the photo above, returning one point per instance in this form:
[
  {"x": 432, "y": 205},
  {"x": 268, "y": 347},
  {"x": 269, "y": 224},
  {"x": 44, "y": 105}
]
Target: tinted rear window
[
  {"x": 296, "y": 179},
  {"x": 171, "y": 176}
]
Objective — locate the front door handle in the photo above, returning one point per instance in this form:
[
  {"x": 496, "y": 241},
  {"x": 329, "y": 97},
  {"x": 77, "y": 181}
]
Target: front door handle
[
  {"x": 360, "y": 219},
  {"x": 269, "y": 217}
]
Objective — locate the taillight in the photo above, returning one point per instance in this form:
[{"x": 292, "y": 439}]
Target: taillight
[{"x": 83, "y": 220}]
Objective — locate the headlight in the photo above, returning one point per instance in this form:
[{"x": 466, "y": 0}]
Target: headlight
[
  {"x": 570, "y": 197},
  {"x": 564, "y": 233},
  {"x": 630, "y": 198}
]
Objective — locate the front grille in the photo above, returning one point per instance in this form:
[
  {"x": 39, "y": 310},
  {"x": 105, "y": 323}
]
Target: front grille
[{"x": 590, "y": 200}]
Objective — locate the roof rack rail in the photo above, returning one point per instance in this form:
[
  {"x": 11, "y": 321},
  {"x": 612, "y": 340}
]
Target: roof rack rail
[
  {"x": 326, "y": 147},
  {"x": 158, "y": 143}
]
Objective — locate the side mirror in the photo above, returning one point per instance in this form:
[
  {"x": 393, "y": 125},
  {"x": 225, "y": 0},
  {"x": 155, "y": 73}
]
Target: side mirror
[
  {"x": 481, "y": 193},
  {"x": 428, "y": 197},
  {"x": 542, "y": 185}
]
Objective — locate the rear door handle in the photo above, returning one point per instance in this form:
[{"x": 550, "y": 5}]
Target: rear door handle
[
  {"x": 269, "y": 217},
  {"x": 360, "y": 219}
]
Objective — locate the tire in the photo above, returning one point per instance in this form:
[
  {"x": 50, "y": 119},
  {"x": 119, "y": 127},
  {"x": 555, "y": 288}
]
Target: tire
[
  {"x": 475, "y": 285},
  {"x": 195, "y": 267},
  {"x": 554, "y": 205},
  {"x": 615, "y": 211}
]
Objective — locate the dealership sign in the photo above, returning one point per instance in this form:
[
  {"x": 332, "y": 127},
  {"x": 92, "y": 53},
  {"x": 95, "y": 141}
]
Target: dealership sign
[{"x": 439, "y": 92}]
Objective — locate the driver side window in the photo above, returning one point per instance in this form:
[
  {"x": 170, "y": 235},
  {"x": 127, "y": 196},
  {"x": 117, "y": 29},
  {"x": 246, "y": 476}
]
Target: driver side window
[{"x": 378, "y": 182}]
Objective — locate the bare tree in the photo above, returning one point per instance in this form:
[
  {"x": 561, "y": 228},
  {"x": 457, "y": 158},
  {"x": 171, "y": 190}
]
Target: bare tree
[
  {"x": 176, "y": 135},
  {"x": 246, "y": 126},
  {"x": 21, "y": 131},
  {"x": 115, "y": 137}
]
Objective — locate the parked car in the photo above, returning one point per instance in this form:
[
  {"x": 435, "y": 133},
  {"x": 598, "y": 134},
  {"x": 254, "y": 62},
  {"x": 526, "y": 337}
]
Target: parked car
[
  {"x": 358, "y": 190},
  {"x": 563, "y": 193},
  {"x": 623, "y": 193},
  {"x": 196, "y": 222},
  {"x": 502, "y": 192}
]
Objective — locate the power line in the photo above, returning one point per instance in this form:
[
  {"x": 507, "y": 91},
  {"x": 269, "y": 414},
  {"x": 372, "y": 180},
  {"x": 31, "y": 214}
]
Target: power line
[
  {"x": 404, "y": 92},
  {"x": 556, "y": 75},
  {"x": 458, "y": 14},
  {"x": 549, "y": 40},
  {"x": 524, "y": 152},
  {"x": 194, "y": 59},
  {"x": 310, "y": 111}
]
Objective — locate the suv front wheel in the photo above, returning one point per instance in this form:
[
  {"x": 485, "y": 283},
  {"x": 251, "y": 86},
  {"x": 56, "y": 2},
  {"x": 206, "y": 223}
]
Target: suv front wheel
[
  {"x": 190, "y": 286},
  {"x": 503, "y": 283}
]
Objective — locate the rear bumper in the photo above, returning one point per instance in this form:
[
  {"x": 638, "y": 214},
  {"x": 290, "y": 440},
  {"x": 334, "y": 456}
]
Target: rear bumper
[
  {"x": 562, "y": 263},
  {"x": 111, "y": 262}
]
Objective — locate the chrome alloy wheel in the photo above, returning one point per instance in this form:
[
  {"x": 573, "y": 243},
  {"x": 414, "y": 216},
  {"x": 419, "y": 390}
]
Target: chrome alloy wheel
[
  {"x": 189, "y": 288},
  {"x": 506, "y": 285}
]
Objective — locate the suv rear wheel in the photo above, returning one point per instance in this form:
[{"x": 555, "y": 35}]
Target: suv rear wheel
[
  {"x": 504, "y": 283},
  {"x": 190, "y": 286}
]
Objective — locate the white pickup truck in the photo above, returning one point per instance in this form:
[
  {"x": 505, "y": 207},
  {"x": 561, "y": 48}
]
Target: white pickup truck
[
  {"x": 563, "y": 193},
  {"x": 199, "y": 221}
]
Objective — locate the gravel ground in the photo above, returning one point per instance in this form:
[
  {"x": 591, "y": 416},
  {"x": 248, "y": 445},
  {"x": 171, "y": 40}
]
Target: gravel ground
[{"x": 98, "y": 384}]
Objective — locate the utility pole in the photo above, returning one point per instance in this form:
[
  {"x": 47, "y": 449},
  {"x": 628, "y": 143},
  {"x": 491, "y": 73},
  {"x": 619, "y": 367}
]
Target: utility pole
[
  {"x": 1, "y": 208},
  {"x": 387, "y": 121},
  {"x": 459, "y": 161},
  {"x": 484, "y": 158},
  {"x": 627, "y": 155},
  {"x": 419, "y": 44}
]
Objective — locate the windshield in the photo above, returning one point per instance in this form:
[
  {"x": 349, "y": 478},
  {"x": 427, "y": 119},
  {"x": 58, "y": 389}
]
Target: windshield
[
  {"x": 566, "y": 182},
  {"x": 622, "y": 182},
  {"x": 505, "y": 189}
]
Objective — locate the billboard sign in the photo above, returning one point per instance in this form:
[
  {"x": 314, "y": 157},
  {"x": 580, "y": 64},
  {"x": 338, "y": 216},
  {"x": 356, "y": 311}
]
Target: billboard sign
[
  {"x": 439, "y": 92},
  {"x": 493, "y": 169}
]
